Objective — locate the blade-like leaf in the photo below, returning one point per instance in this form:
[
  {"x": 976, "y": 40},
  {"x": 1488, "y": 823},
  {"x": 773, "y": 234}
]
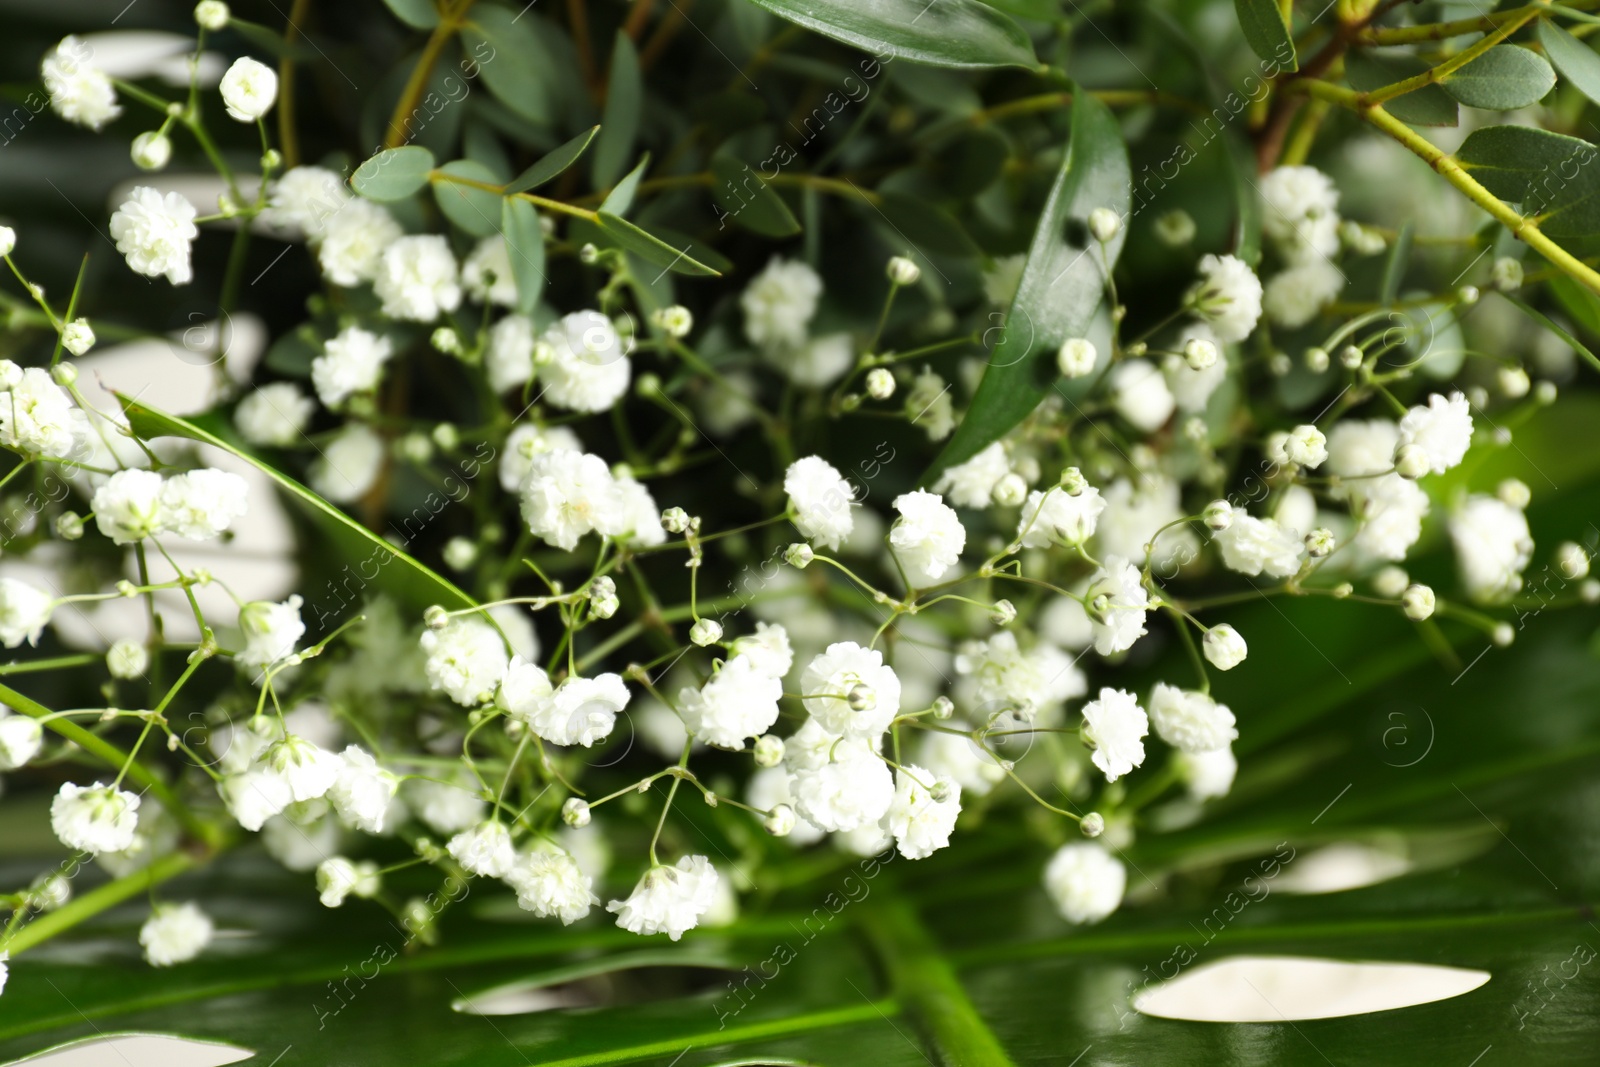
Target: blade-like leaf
[
  {"x": 418, "y": 14},
  {"x": 926, "y": 227},
  {"x": 619, "y": 125},
  {"x": 1428, "y": 106},
  {"x": 1575, "y": 60},
  {"x": 1267, "y": 31},
  {"x": 948, "y": 33},
  {"x": 394, "y": 173},
  {"x": 477, "y": 211},
  {"x": 514, "y": 61},
  {"x": 1063, "y": 282},
  {"x": 748, "y": 200},
  {"x": 619, "y": 201},
  {"x": 1502, "y": 79},
  {"x": 1549, "y": 175},
  {"x": 553, "y": 163},
  {"x": 524, "y": 237},
  {"x": 643, "y": 243}
]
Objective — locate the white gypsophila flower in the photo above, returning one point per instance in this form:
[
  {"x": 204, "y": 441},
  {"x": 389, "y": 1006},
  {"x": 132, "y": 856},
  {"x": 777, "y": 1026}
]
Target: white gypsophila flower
[
  {"x": 930, "y": 405},
  {"x": 929, "y": 537},
  {"x": 1208, "y": 774},
  {"x": 353, "y": 241},
  {"x": 1442, "y": 430},
  {"x": 24, "y": 612},
  {"x": 526, "y": 440},
  {"x": 77, "y": 336},
  {"x": 1391, "y": 510},
  {"x": 1002, "y": 677},
  {"x": 669, "y": 900},
  {"x": 1293, "y": 197},
  {"x": 525, "y": 690},
  {"x": 971, "y": 484},
  {"x": 202, "y": 504},
  {"x": 1358, "y": 448},
  {"x": 767, "y": 789},
  {"x": 1056, "y": 516},
  {"x": 175, "y": 933},
  {"x": 1224, "y": 648},
  {"x": 589, "y": 370},
  {"x": 1136, "y": 514},
  {"x": 1085, "y": 881},
  {"x": 818, "y": 362},
  {"x": 919, "y": 818},
  {"x": 95, "y": 818},
  {"x": 569, "y": 494},
  {"x": 270, "y": 631},
  {"x": 851, "y": 691},
  {"x": 852, "y": 790},
  {"x": 1191, "y": 389},
  {"x": 1306, "y": 446},
  {"x": 637, "y": 517},
  {"x": 1190, "y": 721},
  {"x": 508, "y": 359},
  {"x": 1295, "y": 296},
  {"x": 465, "y": 659},
  {"x": 155, "y": 233},
  {"x": 362, "y": 791},
  {"x": 484, "y": 849},
  {"x": 20, "y": 738},
  {"x": 338, "y": 878},
  {"x": 1493, "y": 546},
  {"x": 303, "y": 201},
  {"x": 1119, "y": 621},
  {"x": 275, "y": 415},
  {"x": 820, "y": 499},
  {"x": 349, "y": 464},
  {"x": 444, "y": 807},
  {"x": 79, "y": 91},
  {"x": 1139, "y": 392},
  {"x": 1228, "y": 297},
  {"x": 779, "y": 303},
  {"x": 127, "y": 508},
  {"x": 550, "y": 883},
  {"x": 308, "y": 769},
  {"x": 486, "y": 273},
  {"x": 37, "y": 416},
  {"x": 768, "y": 650},
  {"x": 8, "y": 240},
  {"x": 249, "y": 89},
  {"x": 1252, "y": 546},
  {"x": 417, "y": 279},
  {"x": 582, "y": 710},
  {"x": 961, "y": 759},
  {"x": 351, "y": 362},
  {"x": 739, "y": 701},
  {"x": 1116, "y": 726},
  {"x": 254, "y": 796}
]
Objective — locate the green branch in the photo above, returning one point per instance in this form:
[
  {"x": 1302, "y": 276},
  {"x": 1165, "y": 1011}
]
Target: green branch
[{"x": 97, "y": 900}]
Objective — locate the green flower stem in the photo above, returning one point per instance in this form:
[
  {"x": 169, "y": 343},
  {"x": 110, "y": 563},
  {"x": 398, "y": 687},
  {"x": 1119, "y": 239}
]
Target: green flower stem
[
  {"x": 449, "y": 22},
  {"x": 98, "y": 900},
  {"x": 1439, "y": 31},
  {"x": 500, "y": 190},
  {"x": 1434, "y": 75}
]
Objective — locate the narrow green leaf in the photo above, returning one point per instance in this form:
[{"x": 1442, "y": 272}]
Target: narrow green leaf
[
  {"x": 1267, "y": 31},
  {"x": 1550, "y": 324},
  {"x": 1504, "y": 78},
  {"x": 513, "y": 60},
  {"x": 1549, "y": 175},
  {"x": 1241, "y": 165},
  {"x": 553, "y": 163},
  {"x": 394, "y": 173},
  {"x": 620, "y": 200},
  {"x": 418, "y": 14},
  {"x": 748, "y": 200},
  {"x": 1578, "y": 301},
  {"x": 524, "y": 237},
  {"x": 1573, "y": 58},
  {"x": 648, "y": 246},
  {"x": 1063, "y": 283},
  {"x": 1428, "y": 106},
  {"x": 477, "y": 211},
  {"x": 1039, "y": 10},
  {"x": 947, "y": 33},
  {"x": 927, "y": 227},
  {"x": 1394, "y": 268},
  {"x": 619, "y": 125}
]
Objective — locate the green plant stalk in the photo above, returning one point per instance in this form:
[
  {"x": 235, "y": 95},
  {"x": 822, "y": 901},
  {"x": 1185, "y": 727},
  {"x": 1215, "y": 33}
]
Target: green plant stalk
[
  {"x": 1434, "y": 75},
  {"x": 1439, "y": 31},
  {"x": 449, "y": 22},
  {"x": 97, "y": 900}
]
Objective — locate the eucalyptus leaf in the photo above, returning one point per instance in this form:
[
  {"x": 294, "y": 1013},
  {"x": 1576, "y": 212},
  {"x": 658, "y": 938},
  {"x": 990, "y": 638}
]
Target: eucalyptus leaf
[
  {"x": 477, "y": 211},
  {"x": 418, "y": 14},
  {"x": 1575, "y": 60},
  {"x": 619, "y": 126},
  {"x": 652, "y": 249},
  {"x": 1504, "y": 78},
  {"x": 619, "y": 201},
  {"x": 553, "y": 163},
  {"x": 394, "y": 173},
  {"x": 1550, "y": 176},
  {"x": 748, "y": 200},
  {"x": 524, "y": 237},
  {"x": 513, "y": 61},
  {"x": 1267, "y": 31},
  {"x": 1427, "y": 106},
  {"x": 949, "y": 33}
]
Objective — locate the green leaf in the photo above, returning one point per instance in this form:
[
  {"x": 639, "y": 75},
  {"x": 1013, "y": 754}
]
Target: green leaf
[
  {"x": 524, "y": 237},
  {"x": 748, "y": 200},
  {"x": 1548, "y": 174},
  {"x": 418, "y": 14},
  {"x": 394, "y": 173},
  {"x": 1555, "y": 328},
  {"x": 619, "y": 201},
  {"x": 653, "y": 249},
  {"x": 477, "y": 211},
  {"x": 1063, "y": 283},
  {"x": 1266, "y": 29},
  {"x": 948, "y": 33},
  {"x": 1039, "y": 10},
  {"x": 1578, "y": 301},
  {"x": 619, "y": 125},
  {"x": 553, "y": 163},
  {"x": 1394, "y": 267},
  {"x": 513, "y": 60},
  {"x": 1428, "y": 106},
  {"x": 1504, "y": 78},
  {"x": 1575, "y": 60},
  {"x": 926, "y": 227}
]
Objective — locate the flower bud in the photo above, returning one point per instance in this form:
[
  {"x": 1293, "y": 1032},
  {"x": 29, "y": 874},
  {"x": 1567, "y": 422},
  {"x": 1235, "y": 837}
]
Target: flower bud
[
  {"x": 780, "y": 821},
  {"x": 126, "y": 588},
  {"x": 588, "y": 255},
  {"x": 940, "y": 790},
  {"x": 127, "y": 659},
  {"x": 861, "y": 697},
  {"x": 705, "y": 632},
  {"x": 1418, "y": 602},
  {"x": 150, "y": 151},
  {"x": 1390, "y": 582},
  {"x": 1351, "y": 357},
  {"x": 1010, "y": 490},
  {"x": 435, "y": 617},
  {"x": 1467, "y": 295},
  {"x": 1306, "y": 446},
  {"x": 446, "y": 340},
  {"x": 77, "y": 336},
  {"x": 1506, "y": 274},
  {"x": 1072, "y": 481},
  {"x": 575, "y": 812},
  {"x": 903, "y": 271},
  {"x": 1175, "y": 228},
  {"x": 1279, "y": 364},
  {"x": 1093, "y": 824},
  {"x": 69, "y": 526},
  {"x": 1218, "y": 515},
  {"x": 943, "y": 707},
  {"x": 676, "y": 321},
  {"x": 880, "y": 383},
  {"x": 1503, "y": 634},
  {"x": 459, "y": 553},
  {"x": 1572, "y": 561},
  {"x": 1513, "y": 382},
  {"x": 1224, "y": 648},
  {"x": 1320, "y": 542},
  {"x": 64, "y": 374},
  {"x": 1199, "y": 353},
  {"x": 446, "y": 436},
  {"x": 1004, "y": 612},
  {"x": 1077, "y": 357},
  {"x": 769, "y": 750},
  {"x": 1104, "y": 224},
  {"x": 211, "y": 15},
  {"x": 1545, "y": 393},
  {"x": 675, "y": 520},
  {"x": 1411, "y": 461},
  {"x": 1317, "y": 360},
  {"x": 799, "y": 554},
  {"x": 1514, "y": 492}
]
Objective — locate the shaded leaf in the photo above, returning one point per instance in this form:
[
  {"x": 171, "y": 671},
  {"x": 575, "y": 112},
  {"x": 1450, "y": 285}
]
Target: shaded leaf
[
  {"x": 949, "y": 33},
  {"x": 394, "y": 173},
  {"x": 619, "y": 125},
  {"x": 620, "y": 200},
  {"x": 1504, "y": 78},
  {"x": 926, "y": 227},
  {"x": 1428, "y": 106},
  {"x": 512, "y": 59},
  {"x": 477, "y": 211},
  {"x": 648, "y": 246},
  {"x": 524, "y": 237},
  {"x": 748, "y": 200},
  {"x": 1548, "y": 174},
  {"x": 1575, "y": 60},
  {"x": 553, "y": 163},
  {"x": 1394, "y": 267},
  {"x": 418, "y": 14},
  {"x": 1267, "y": 31}
]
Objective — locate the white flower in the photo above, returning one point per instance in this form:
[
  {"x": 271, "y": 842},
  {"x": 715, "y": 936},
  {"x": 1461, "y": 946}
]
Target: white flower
[
  {"x": 1085, "y": 881},
  {"x": 567, "y": 495},
  {"x": 1361, "y": 447},
  {"x": 466, "y": 659},
  {"x": 20, "y": 737},
  {"x": 962, "y": 760},
  {"x": 349, "y": 464},
  {"x": 416, "y": 278},
  {"x": 550, "y": 883},
  {"x": 444, "y": 807},
  {"x": 201, "y": 504},
  {"x": 1115, "y": 725},
  {"x": 1135, "y": 514},
  {"x": 1119, "y": 621},
  {"x": 779, "y": 303},
  {"x": 24, "y": 611},
  {"x": 582, "y": 710},
  {"x": 77, "y": 336},
  {"x": 853, "y": 790},
  {"x": 737, "y": 702},
  {"x": 920, "y": 823},
  {"x": 1208, "y": 774},
  {"x": 768, "y": 789},
  {"x": 484, "y": 849},
  {"x": 669, "y": 900},
  {"x": 1224, "y": 648},
  {"x": 1294, "y": 197},
  {"x": 1139, "y": 393},
  {"x": 8, "y": 240},
  {"x": 768, "y": 650},
  {"x": 1295, "y": 296},
  {"x": 508, "y": 360},
  {"x": 1228, "y": 297},
  {"x": 1057, "y": 516},
  {"x": 155, "y": 233},
  {"x": 820, "y": 499},
  {"x": 79, "y": 91},
  {"x": 1189, "y": 720},
  {"x": 37, "y": 416},
  {"x": 1306, "y": 446},
  {"x": 351, "y": 362},
  {"x": 525, "y": 690},
  {"x": 174, "y": 933},
  {"x": 275, "y": 415},
  {"x": 590, "y": 370},
  {"x": 1442, "y": 430},
  {"x": 819, "y": 362},
  {"x": 304, "y": 201},
  {"x": 1191, "y": 388},
  {"x": 1076, "y": 357},
  {"x": 1492, "y": 545},
  {"x": 254, "y": 796},
  {"x": 362, "y": 791},
  {"x": 636, "y": 518},
  {"x": 354, "y": 239},
  {"x": 338, "y": 877},
  {"x": 851, "y": 691},
  {"x": 270, "y": 631},
  {"x": 1006, "y": 678},
  {"x": 486, "y": 273},
  {"x": 928, "y": 538},
  {"x": 96, "y": 818},
  {"x": 1391, "y": 509},
  {"x": 930, "y": 405},
  {"x": 526, "y": 440},
  {"x": 971, "y": 484},
  {"x": 1251, "y": 546},
  {"x": 308, "y": 769},
  {"x": 249, "y": 89},
  {"x": 127, "y": 508}
]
